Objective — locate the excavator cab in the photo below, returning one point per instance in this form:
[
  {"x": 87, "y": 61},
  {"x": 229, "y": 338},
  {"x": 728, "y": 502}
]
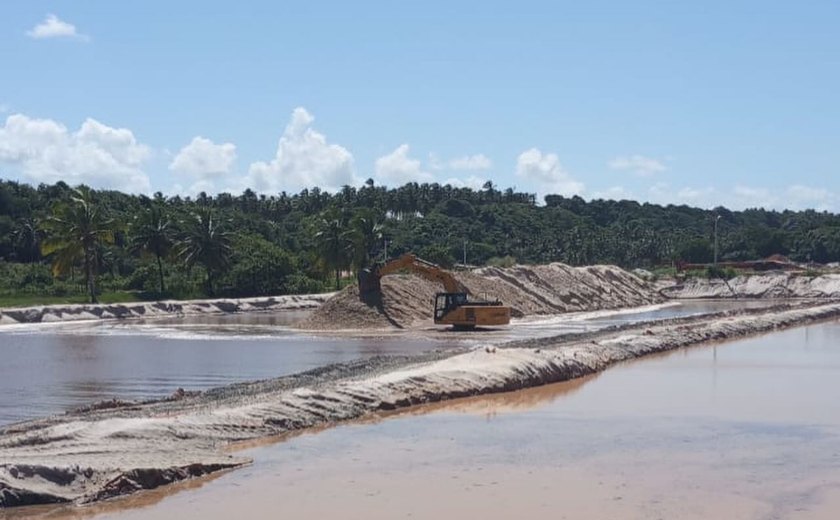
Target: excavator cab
[{"x": 445, "y": 302}]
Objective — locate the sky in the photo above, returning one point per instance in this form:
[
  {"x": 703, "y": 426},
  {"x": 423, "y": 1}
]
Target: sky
[{"x": 703, "y": 103}]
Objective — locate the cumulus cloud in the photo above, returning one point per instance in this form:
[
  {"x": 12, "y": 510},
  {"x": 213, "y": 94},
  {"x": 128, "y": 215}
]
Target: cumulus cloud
[
  {"x": 638, "y": 164},
  {"x": 304, "y": 159},
  {"x": 397, "y": 168},
  {"x": 54, "y": 27},
  {"x": 473, "y": 182},
  {"x": 546, "y": 173},
  {"x": 96, "y": 154},
  {"x": 204, "y": 161}
]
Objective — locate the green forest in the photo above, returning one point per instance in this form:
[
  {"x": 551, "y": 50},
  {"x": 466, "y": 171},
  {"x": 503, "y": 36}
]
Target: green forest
[{"x": 71, "y": 244}]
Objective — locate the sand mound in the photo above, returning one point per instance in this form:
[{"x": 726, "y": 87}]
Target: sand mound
[
  {"x": 770, "y": 285},
  {"x": 406, "y": 299}
]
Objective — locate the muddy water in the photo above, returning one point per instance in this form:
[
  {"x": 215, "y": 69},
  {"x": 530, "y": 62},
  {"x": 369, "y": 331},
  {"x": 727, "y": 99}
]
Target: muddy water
[
  {"x": 49, "y": 368},
  {"x": 744, "y": 430}
]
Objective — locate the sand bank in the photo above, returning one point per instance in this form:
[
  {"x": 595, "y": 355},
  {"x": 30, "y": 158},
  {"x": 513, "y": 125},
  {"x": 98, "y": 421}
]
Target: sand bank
[
  {"x": 770, "y": 285},
  {"x": 160, "y": 309}
]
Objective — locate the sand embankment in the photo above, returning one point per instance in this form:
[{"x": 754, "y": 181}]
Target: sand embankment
[
  {"x": 406, "y": 300},
  {"x": 59, "y": 313},
  {"x": 770, "y": 285},
  {"x": 87, "y": 456}
]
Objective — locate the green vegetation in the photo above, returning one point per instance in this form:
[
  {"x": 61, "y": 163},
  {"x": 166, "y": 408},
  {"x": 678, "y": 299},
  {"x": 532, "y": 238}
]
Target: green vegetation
[
  {"x": 76, "y": 231},
  {"x": 60, "y": 243}
]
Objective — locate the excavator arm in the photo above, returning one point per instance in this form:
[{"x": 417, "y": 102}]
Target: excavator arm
[{"x": 423, "y": 268}]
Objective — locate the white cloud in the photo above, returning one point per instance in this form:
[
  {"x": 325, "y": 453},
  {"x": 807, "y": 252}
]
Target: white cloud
[
  {"x": 204, "y": 158},
  {"x": 476, "y": 183},
  {"x": 96, "y": 154},
  {"x": 54, "y": 27},
  {"x": 638, "y": 164},
  {"x": 397, "y": 168},
  {"x": 204, "y": 161},
  {"x": 304, "y": 159},
  {"x": 546, "y": 172}
]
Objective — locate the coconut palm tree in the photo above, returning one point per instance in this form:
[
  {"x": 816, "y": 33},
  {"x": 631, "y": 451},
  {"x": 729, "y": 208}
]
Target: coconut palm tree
[
  {"x": 365, "y": 234},
  {"x": 27, "y": 238},
  {"x": 75, "y": 231},
  {"x": 332, "y": 243},
  {"x": 152, "y": 233},
  {"x": 206, "y": 242}
]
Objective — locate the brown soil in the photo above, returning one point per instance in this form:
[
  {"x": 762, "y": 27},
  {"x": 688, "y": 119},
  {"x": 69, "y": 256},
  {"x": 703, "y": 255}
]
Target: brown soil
[{"x": 406, "y": 300}]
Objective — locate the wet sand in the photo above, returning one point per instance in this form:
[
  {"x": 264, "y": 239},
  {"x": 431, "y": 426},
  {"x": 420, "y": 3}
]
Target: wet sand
[{"x": 742, "y": 430}]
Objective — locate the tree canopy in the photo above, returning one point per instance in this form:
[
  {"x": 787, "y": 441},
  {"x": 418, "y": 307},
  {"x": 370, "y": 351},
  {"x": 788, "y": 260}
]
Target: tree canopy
[{"x": 251, "y": 243}]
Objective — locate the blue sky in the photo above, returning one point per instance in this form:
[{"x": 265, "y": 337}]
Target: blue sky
[{"x": 709, "y": 103}]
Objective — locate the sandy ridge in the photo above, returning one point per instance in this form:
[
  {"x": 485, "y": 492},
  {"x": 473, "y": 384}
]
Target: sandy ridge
[
  {"x": 87, "y": 457},
  {"x": 770, "y": 285},
  {"x": 60, "y": 313}
]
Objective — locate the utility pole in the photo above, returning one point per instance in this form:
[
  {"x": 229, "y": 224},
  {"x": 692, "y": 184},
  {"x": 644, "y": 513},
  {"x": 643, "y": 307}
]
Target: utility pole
[
  {"x": 465, "y": 253},
  {"x": 716, "y": 239}
]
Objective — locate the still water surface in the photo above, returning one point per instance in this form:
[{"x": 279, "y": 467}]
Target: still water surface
[
  {"x": 743, "y": 430},
  {"x": 49, "y": 368}
]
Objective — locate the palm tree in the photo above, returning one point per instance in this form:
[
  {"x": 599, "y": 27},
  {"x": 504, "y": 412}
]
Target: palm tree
[
  {"x": 75, "y": 231},
  {"x": 332, "y": 244},
  {"x": 152, "y": 233},
  {"x": 27, "y": 238},
  {"x": 205, "y": 242},
  {"x": 364, "y": 235}
]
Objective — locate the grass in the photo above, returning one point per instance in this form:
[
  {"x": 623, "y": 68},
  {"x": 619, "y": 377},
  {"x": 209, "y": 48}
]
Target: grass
[{"x": 29, "y": 300}]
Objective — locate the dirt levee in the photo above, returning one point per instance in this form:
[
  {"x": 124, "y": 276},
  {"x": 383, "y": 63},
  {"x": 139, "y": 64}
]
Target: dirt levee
[
  {"x": 159, "y": 309},
  {"x": 769, "y": 285},
  {"x": 406, "y": 299}
]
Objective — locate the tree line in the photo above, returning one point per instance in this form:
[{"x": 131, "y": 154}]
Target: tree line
[{"x": 58, "y": 239}]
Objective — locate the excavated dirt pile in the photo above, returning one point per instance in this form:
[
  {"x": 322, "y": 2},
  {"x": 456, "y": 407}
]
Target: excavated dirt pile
[{"x": 406, "y": 299}]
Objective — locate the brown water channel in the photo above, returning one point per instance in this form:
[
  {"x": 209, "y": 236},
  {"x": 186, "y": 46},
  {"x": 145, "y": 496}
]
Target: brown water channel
[
  {"x": 49, "y": 368},
  {"x": 743, "y": 430}
]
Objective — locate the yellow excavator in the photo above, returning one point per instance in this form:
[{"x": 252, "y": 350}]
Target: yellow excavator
[{"x": 452, "y": 307}]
